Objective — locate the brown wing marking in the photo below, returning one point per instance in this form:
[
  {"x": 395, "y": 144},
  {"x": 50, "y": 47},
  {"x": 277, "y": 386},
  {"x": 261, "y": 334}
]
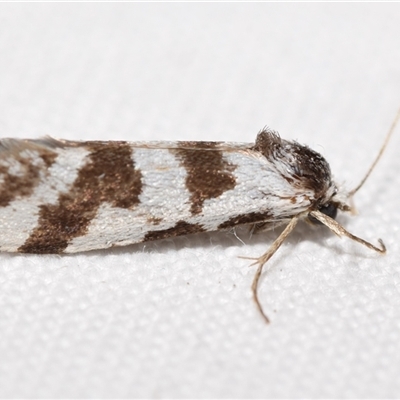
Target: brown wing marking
[
  {"x": 208, "y": 174},
  {"x": 23, "y": 184},
  {"x": 181, "y": 228},
  {"x": 250, "y": 218},
  {"x": 108, "y": 176}
]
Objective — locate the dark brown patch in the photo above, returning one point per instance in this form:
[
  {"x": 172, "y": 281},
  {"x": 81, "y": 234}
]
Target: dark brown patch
[
  {"x": 267, "y": 142},
  {"x": 250, "y": 218},
  {"x": 48, "y": 158},
  {"x": 108, "y": 176},
  {"x": 305, "y": 168},
  {"x": 181, "y": 228},
  {"x": 14, "y": 186},
  {"x": 154, "y": 220},
  {"x": 208, "y": 174}
]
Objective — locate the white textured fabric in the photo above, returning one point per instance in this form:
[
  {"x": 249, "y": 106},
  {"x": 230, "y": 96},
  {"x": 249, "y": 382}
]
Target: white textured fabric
[{"x": 175, "y": 318}]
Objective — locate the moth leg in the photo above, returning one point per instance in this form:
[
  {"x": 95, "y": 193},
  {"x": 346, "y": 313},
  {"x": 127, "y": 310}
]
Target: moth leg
[
  {"x": 264, "y": 258},
  {"x": 338, "y": 229}
]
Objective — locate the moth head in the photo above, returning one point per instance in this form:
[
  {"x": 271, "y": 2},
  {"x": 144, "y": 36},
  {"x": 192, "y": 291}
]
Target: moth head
[
  {"x": 303, "y": 168},
  {"x": 333, "y": 200}
]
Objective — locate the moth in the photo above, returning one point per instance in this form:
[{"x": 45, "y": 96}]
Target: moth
[{"x": 59, "y": 196}]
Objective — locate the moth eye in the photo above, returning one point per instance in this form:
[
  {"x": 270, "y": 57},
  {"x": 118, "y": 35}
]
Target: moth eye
[{"x": 329, "y": 209}]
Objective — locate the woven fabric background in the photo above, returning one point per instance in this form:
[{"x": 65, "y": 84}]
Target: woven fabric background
[{"x": 175, "y": 318}]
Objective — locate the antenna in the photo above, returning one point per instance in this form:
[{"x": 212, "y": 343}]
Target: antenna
[{"x": 388, "y": 136}]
